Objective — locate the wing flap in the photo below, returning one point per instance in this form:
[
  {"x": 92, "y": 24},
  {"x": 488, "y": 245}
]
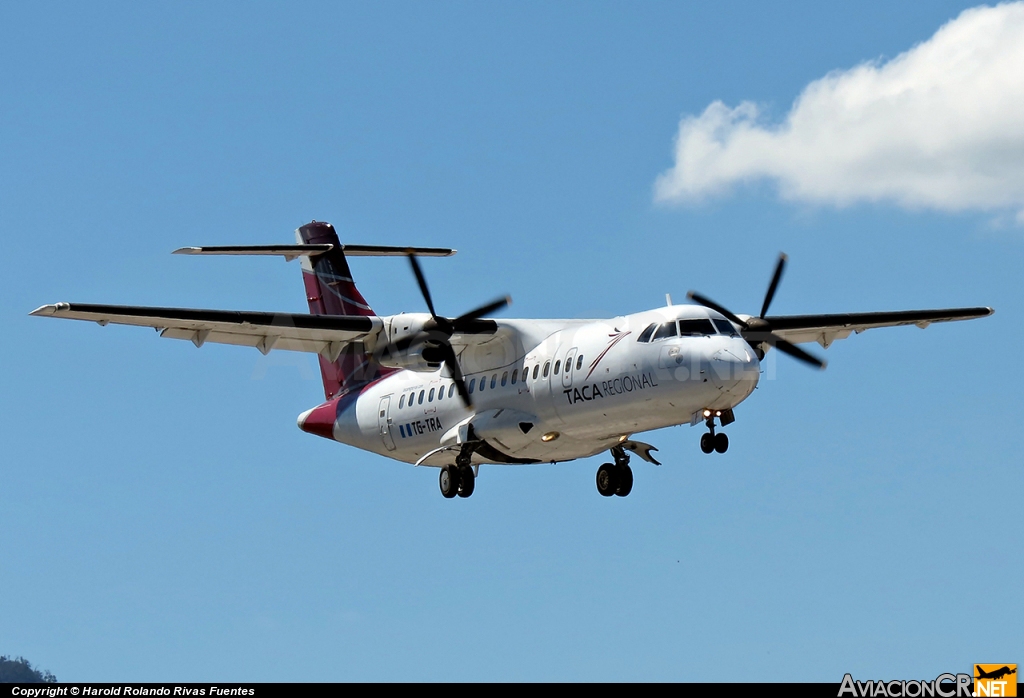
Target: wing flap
[{"x": 325, "y": 334}]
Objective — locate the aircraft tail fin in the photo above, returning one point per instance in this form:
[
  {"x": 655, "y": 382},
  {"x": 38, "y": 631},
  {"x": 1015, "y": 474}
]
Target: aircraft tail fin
[{"x": 330, "y": 290}]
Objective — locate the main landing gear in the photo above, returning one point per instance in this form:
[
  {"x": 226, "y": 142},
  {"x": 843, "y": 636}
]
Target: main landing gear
[
  {"x": 615, "y": 478},
  {"x": 458, "y": 479},
  {"x": 711, "y": 441}
]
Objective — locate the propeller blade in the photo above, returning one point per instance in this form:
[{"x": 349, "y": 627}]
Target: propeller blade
[
  {"x": 422, "y": 281},
  {"x": 452, "y": 362},
  {"x": 484, "y": 309},
  {"x": 708, "y": 303},
  {"x": 795, "y": 351},
  {"x": 776, "y": 277}
]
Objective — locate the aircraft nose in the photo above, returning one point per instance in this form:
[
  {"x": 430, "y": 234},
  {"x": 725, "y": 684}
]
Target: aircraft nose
[{"x": 735, "y": 368}]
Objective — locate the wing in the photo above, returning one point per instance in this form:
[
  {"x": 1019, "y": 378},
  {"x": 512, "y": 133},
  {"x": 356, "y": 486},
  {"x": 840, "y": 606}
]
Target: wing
[
  {"x": 825, "y": 329},
  {"x": 319, "y": 334}
]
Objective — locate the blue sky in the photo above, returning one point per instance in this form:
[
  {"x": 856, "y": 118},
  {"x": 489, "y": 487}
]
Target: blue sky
[{"x": 161, "y": 517}]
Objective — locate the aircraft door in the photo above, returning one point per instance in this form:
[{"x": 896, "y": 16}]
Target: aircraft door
[
  {"x": 385, "y": 423},
  {"x": 570, "y": 359}
]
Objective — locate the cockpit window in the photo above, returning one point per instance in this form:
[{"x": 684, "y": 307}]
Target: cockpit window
[
  {"x": 645, "y": 336},
  {"x": 725, "y": 327},
  {"x": 665, "y": 330},
  {"x": 696, "y": 327}
]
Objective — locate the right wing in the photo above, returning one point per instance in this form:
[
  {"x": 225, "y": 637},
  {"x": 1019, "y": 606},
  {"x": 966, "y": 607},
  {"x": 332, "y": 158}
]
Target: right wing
[
  {"x": 825, "y": 329},
  {"x": 318, "y": 334}
]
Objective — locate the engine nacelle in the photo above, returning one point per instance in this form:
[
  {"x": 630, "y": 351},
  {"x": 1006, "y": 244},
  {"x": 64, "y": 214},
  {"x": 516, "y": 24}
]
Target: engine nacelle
[{"x": 400, "y": 330}]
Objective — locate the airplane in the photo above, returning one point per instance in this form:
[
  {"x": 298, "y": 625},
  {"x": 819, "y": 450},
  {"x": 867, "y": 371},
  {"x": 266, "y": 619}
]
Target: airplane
[
  {"x": 458, "y": 393},
  {"x": 996, "y": 674}
]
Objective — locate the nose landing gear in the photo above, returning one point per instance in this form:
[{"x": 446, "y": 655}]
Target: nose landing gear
[
  {"x": 711, "y": 442},
  {"x": 615, "y": 478}
]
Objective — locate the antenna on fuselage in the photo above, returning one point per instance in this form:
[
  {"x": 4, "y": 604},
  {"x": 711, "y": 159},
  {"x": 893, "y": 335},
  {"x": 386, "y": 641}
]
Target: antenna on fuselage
[{"x": 668, "y": 299}]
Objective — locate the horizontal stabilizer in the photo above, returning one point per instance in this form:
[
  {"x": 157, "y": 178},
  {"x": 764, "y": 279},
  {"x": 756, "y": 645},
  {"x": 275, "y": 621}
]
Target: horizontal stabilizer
[
  {"x": 290, "y": 252},
  {"x": 391, "y": 251}
]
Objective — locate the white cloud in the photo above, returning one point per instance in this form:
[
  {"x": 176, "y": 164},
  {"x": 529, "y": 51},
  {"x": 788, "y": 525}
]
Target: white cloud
[{"x": 940, "y": 126}]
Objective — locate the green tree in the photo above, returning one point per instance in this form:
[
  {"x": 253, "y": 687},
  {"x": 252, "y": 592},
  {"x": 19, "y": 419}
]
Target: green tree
[{"x": 20, "y": 670}]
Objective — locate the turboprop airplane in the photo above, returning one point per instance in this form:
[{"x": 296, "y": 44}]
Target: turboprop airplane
[{"x": 456, "y": 393}]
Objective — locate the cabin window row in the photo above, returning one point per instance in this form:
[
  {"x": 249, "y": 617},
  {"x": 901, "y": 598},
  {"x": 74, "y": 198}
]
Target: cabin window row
[
  {"x": 690, "y": 327},
  {"x": 424, "y": 395},
  {"x": 429, "y": 396}
]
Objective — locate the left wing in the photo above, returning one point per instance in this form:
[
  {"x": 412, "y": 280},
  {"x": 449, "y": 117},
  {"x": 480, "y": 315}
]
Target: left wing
[
  {"x": 318, "y": 334},
  {"x": 825, "y": 329}
]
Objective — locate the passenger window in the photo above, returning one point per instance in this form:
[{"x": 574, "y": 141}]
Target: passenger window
[
  {"x": 401, "y": 403},
  {"x": 557, "y": 364},
  {"x": 451, "y": 390},
  {"x": 430, "y": 398},
  {"x": 494, "y": 379},
  {"x": 665, "y": 330},
  {"x": 440, "y": 393},
  {"x": 547, "y": 367},
  {"x": 579, "y": 362},
  {"x": 421, "y": 398},
  {"x": 472, "y": 384},
  {"x": 483, "y": 383},
  {"x": 696, "y": 327},
  {"x": 504, "y": 379},
  {"x": 535, "y": 369},
  {"x": 645, "y": 336},
  {"x": 515, "y": 372}
]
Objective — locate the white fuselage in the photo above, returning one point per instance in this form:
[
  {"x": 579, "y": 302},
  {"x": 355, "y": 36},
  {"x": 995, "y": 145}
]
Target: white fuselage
[{"x": 607, "y": 386}]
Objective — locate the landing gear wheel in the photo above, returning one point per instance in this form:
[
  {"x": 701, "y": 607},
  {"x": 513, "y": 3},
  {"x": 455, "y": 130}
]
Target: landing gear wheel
[
  {"x": 607, "y": 482},
  {"x": 449, "y": 481},
  {"x": 721, "y": 442},
  {"x": 625, "y": 480},
  {"x": 707, "y": 442},
  {"x": 467, "y": 481}
]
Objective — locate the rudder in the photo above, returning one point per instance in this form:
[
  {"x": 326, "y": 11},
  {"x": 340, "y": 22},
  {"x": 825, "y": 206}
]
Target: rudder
[{"x": 330, "y": 290}]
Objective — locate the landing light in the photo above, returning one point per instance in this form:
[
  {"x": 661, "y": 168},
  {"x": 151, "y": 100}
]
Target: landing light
[
  {"x": 550, "y": 436},
  {"x": 707, "y": 413}
]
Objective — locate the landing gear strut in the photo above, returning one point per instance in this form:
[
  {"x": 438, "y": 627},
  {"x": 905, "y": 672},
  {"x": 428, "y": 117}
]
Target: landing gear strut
[
  {"x": 711, "y": 441},
  {"x": 458, "y": 479},
  {"x": 615, "y": 478}
]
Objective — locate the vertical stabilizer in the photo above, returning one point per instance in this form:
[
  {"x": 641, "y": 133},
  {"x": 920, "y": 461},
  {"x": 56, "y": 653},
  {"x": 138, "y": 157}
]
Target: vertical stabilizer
[{"x": 331, "y": 291}]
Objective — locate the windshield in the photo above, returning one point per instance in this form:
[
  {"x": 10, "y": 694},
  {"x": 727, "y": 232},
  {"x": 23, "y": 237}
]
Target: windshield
[
  {"x": 696, "y": 327},
  {"x": 725, "y": 327}
]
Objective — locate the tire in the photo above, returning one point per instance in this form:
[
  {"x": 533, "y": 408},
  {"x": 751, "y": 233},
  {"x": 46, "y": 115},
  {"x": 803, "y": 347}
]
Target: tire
[
  {"x": 467, "y": 481},
  {"x": 721, "y": 442},
  {"x": 607, "y": 482},
  {"x": 449, "y": 481},
  {"x": 707, "y": 443},
  {"x": 625, "y": 478}
]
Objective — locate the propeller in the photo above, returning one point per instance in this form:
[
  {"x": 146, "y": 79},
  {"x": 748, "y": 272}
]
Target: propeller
[
  {"x": 435, "y": 338},
  {"x": 758, "y": 330}
]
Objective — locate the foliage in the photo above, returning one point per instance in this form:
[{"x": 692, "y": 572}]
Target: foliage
[{"x": 20, "y": 671}]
